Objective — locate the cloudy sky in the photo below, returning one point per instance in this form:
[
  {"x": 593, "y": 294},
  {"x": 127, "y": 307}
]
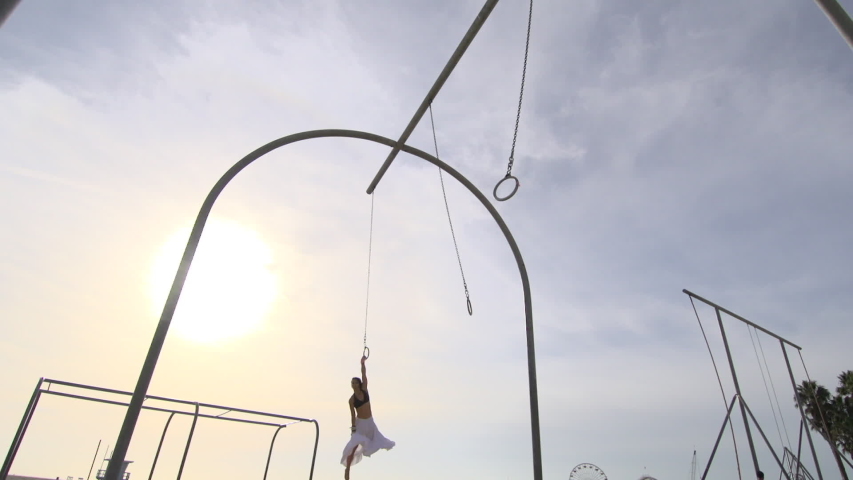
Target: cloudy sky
[{"x": 663, "y": 145}]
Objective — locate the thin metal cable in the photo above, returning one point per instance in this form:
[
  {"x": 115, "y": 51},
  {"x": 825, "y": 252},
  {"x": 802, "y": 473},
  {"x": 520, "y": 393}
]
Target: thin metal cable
[
  {"x": 773, "y": 387},
  {"x": 447, "y": 208},
  {"x": 764, "y": 379},
  {"x": 369, "y": 254},
  {"x": 720, "y": 382},
  {"x": 521, "y": 92},
  {"x": 816, "y": 403}
]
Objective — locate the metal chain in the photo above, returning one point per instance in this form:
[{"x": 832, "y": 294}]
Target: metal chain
[
  {"x": 521, "y": 93},
  {"x": 447, "y": 208},
  {"x": 369, "y": 254}
]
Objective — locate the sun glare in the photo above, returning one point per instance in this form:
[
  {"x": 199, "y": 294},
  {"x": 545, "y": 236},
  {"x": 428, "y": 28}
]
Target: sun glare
[{"x": 230, "y": 287}]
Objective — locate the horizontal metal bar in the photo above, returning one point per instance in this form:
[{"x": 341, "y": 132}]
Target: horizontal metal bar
[
  {"x": 158, "y": 409},
  {"x": 174, "y": 400},
  {"x": 239, "y": 410},
  {"x": 86, "y": 387},
  {"x": 439, "y": 82},
  {"x": 730, "y": 313}
]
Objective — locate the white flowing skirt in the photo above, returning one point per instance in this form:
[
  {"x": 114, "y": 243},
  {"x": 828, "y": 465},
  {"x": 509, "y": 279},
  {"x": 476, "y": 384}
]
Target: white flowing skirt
[{"x": 366, "y": 441}]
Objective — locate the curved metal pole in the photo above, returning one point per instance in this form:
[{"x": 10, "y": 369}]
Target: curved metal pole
[
  {"x": 313, "y": 457},
  {"x": 147, "y": 372},
  {"x": 316, "y": 441},
  {"x": 272, "y": 444},
  {"x": 187, "y": 447},
  {"x": 159, "y": 446}
]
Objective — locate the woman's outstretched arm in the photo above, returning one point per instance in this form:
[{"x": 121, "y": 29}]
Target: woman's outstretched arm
[{"x": 363, "y": 373}]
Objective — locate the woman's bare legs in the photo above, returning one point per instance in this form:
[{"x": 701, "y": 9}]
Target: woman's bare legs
[{"x": 349, "y": 462}]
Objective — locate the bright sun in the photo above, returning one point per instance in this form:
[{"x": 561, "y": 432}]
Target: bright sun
[{"x": 230, "y": 287}]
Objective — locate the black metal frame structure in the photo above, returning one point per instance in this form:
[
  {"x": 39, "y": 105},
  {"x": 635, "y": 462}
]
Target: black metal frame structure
[
  {"x": 745, "y": 411},
  {"x": 41, "y": 390}
]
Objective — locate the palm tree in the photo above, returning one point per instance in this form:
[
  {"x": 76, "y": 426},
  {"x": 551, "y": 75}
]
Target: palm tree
[
  {"x": 824, "y": 413},
  {"x": 844, "y": 404}
]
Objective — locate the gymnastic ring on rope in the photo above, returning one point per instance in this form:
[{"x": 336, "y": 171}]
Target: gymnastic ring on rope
[
  {"x": 366, "y": 352},
  {"x": 515, "y": 189},
  {"x": 470, "y": 308}
]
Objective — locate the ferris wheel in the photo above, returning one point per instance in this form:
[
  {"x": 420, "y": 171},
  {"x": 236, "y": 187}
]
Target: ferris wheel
[{"x": 587, "y": 471}]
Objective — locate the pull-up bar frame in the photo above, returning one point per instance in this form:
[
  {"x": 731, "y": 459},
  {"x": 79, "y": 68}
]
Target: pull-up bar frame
[{"x": 40, "y": 390}]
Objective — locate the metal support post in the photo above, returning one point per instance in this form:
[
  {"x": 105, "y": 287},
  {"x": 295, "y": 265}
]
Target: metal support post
[
  {"x": 839, "y": 18},
  {"x": 22, "y": 430},
  {"x": 763, "y": 436},
  {"x": 272, "y": 444},
  {"x": 799, "y": 450},
  {"x": 160, "y": 445},
  {"x": 720, "y": 436},
  {"x": 802, "y": 414},
  {"x": 737, "y": 390},
  {"x": 91, "y": 467},
  {"x": 189, "y": 439}
]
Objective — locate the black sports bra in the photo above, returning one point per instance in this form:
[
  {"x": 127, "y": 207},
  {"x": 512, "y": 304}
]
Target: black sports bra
[{"x": 357, "y": 403}]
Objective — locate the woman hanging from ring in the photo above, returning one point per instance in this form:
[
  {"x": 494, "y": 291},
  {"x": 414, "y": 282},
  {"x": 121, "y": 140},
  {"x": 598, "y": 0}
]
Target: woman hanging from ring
[{"x": 366, "y": 439}]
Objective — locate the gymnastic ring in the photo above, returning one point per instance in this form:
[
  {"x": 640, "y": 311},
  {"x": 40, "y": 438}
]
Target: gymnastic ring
[
  {"x": 515, "y": 189},
  {"x": 366, "y": 352},
  {"x": 470, "y": 308}
]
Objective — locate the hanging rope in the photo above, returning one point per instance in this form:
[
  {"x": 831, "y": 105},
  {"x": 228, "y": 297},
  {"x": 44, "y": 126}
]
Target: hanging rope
[
  {"x": 773, "y": 387},
  {"x": 720, "y": 382},
  {"x": 366, "y": 351},
  {"x": 447, "y": 208},
  {"x": 517, "y": 118},
  {"x": 764, "y": 379}
]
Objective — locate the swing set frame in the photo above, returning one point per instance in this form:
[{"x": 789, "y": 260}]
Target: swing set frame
[{"x": 746, "y": 413}]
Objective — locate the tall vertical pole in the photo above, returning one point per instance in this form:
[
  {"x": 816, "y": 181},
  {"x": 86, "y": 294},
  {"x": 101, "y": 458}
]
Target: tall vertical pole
[
  {"x": 800, "y": 407},
  {"x": 93, "y": 459},
  {"x": 737, "y": 390},
  {"x": 800, "y": 450}
]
